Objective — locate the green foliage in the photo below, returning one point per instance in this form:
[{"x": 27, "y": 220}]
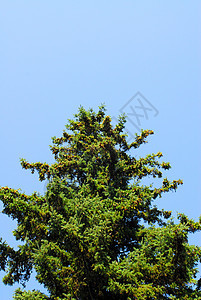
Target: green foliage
[
  {"x": 96, "y": 233},
  {"x": 29, "y": 295}
]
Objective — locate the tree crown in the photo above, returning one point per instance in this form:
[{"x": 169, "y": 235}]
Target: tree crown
[{"x": 85, "y": 237}]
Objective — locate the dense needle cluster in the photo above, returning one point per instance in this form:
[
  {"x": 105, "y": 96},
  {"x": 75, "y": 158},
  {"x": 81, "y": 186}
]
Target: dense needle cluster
[{"x": 96, "y": 233}]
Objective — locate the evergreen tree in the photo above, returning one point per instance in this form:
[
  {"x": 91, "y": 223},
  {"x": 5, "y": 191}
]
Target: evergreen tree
[{"x": 96, "y": 233}]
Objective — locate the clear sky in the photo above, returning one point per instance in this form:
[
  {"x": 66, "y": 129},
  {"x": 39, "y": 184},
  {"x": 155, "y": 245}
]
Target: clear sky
[{"x": 58, "y": 55}]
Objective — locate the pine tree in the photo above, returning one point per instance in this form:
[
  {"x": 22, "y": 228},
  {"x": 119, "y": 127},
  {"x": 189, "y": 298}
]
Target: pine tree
[{"x": 96, "y": 233}]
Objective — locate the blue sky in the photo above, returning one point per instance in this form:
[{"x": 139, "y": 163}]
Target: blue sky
[{"x": 58, "y": 55}]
